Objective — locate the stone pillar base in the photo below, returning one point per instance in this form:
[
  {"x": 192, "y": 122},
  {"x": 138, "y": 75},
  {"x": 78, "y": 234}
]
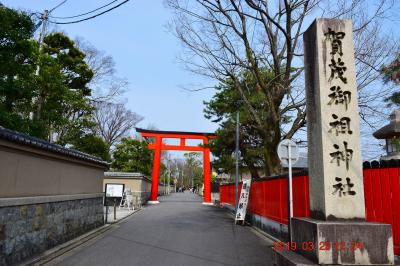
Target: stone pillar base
[{"x": 343, "y": 242}]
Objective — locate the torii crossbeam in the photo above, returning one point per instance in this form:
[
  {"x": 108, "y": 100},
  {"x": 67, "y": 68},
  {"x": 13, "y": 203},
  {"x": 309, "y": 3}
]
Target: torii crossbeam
[{"x": 157, "y": 145}]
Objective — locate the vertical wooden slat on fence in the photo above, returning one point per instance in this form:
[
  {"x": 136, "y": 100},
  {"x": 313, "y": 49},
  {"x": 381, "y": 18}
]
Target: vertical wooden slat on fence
[
  {"x": 300, "y": 197},
  {"x": 263, "y": 196},
  {"x": 307, "y": 196},
  {"x": 251, "y": 199},
  {"x": 284, "y": 200},
  {"x": 231, "y": 195},
  {"x": 377, "y": 192},
  {"x": 222, "y": 194},
  {"x": 386, "y": 195},
  {"x": 226, "y": 197},
  {"x": 271, "y": 199},
  {"x": 258, "y": 197},
  {"x": 261, "y": 199},
  {"x": 368, "y": 192},
  {"x": 266, "y": 195},
  {"x": 297, "y": 199},
  {"x": 394, "y": 176}
]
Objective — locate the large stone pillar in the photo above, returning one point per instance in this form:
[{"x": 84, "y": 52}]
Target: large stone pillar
[
  {"x": 334, "y": 154},
  {"x": 337, "y": 228}
]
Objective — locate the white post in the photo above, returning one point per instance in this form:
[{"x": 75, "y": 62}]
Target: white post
[
  {"x": 169, "y": 175},
  {"x": 290, "y": 191},
  {"x": 237, "y": 161}
]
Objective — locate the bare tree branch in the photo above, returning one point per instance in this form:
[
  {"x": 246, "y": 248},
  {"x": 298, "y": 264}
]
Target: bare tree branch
[{"x": 114, "y": 121}]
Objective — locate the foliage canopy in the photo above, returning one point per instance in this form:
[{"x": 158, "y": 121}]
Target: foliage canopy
[{"x": 132, "y": 155}]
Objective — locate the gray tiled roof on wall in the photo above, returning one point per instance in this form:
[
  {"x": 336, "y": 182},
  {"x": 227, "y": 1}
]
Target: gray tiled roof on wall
[{"x": 20, "y": 138}]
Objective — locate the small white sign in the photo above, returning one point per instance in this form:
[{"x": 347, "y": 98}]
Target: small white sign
[
  {"x": 283, "y": 151},
  {"x": 114, "y": 190},
  {"x": 243, "y": 200}
]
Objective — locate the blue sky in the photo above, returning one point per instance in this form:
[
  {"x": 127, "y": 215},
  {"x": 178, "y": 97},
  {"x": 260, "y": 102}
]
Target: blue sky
[
  {"x": 135, "y": 35},
  {"x": 145, "y": 53}
]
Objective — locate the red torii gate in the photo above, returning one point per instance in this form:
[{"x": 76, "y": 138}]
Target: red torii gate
[{"x": 158, "y": 146}]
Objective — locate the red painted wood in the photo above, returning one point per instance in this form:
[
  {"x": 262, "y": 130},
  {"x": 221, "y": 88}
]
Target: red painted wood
[
  {"x": 156, "y": 170},
  {"x": 174, "y": 136},
  {"x": 177, "y": 147},
  {"x": 300, "y": 196},
  {"x": 368, "y": 195},
  {"x": 258, "y": 196},
  {"x": 386, "y": 195},
  {"x": 284, "y": 201},
  {"x": 307, "y": 196},
  {"x": 207, "y": 173},
  {"x": 271, "y": 199},
  {"x": 377, "y": 195},
  {"x": 394, "y": 176}
]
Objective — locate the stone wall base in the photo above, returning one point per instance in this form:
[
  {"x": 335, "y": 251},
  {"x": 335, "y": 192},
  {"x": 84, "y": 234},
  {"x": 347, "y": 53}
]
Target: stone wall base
[
  {"x": 269, "y": 226},
  {"x": 343, "y": 242},
  {"x": 28, "y": 230}
]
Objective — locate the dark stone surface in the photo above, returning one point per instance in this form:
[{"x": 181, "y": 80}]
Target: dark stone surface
[
  {"x": 373, "y": 236},
  {"x": 28, "y": 230},
  {"x": 270, "y": 227}
]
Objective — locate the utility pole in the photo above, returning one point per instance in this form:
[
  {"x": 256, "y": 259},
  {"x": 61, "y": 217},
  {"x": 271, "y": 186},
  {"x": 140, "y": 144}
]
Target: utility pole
[
  {"x": 169, "y": 174},
  {"x": 176, "y": 174},
  {"x": 237, "y": 159},
  {"x": 183, "y": 184},
  {"x": 44, "y": 20},
  {"x": 165, "y": 187}
]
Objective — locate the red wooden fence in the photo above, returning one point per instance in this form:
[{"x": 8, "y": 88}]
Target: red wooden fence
[
  {"x": 382, "y": 195},
  {"x": 268, "y": 196}
]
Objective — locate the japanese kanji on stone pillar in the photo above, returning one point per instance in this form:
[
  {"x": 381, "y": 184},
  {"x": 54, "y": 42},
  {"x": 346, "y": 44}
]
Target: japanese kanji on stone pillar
[
  {"x": 336, "y": 180},
  {"x": 337, "y": 206}
]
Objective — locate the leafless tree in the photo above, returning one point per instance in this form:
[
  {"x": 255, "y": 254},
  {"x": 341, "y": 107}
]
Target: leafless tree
[
  {"x": 101, "y": 64},
  {"x": 114, "y": 121},
  {"x": 105, "y": 85},
  {"x": 225, "y": 38}
]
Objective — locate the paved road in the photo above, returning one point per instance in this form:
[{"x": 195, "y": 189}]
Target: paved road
[{"x": 178, "y": 231}]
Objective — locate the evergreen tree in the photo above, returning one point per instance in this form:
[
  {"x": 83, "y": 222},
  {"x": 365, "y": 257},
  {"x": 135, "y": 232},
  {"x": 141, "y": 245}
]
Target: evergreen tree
[{"x": 132, "y": 155}]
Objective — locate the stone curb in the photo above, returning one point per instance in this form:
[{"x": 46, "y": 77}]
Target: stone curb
[{"x": 53, "y": 253}]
